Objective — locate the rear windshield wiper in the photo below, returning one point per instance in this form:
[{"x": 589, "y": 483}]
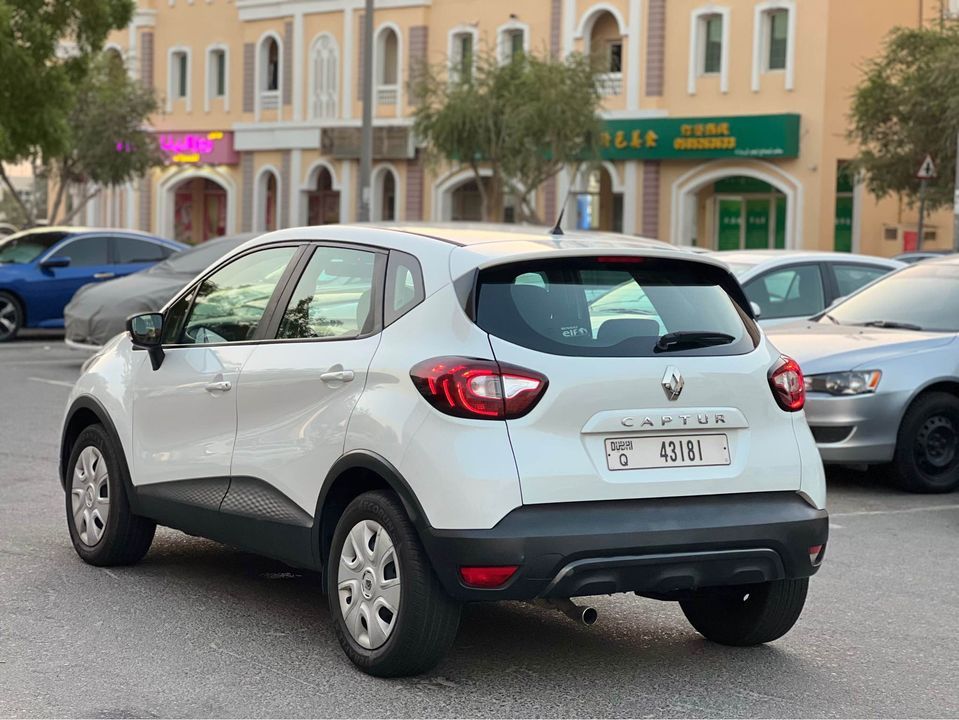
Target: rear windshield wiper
[
  {"x": 691, "y": 339},
  {"x": 890, "y": 325}
]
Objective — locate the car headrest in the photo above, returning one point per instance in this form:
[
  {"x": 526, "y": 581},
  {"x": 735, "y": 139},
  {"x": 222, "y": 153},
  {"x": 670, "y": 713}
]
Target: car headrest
[{"x": 613, "y": 332}]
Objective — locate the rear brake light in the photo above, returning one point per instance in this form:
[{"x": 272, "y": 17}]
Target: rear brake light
[
  {"x": 485, "y": 389},
  {"x": 788, "y": 385},
  {"x": 487, "y": 576},
  {"x": 619, "y": 259}
]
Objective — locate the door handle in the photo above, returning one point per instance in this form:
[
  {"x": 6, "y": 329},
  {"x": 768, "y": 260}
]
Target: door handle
[
  {"x": 337, "y": 376},
  {"x": 219, "y": 386},
  {"x": 104, "y": 275}
]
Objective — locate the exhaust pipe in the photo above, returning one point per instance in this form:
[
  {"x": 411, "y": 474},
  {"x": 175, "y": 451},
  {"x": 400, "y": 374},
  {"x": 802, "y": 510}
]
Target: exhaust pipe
[{"x": 585, "y": 615}]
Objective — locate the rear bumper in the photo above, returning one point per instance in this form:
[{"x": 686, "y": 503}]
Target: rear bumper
[{"x": 658, "y": 547}]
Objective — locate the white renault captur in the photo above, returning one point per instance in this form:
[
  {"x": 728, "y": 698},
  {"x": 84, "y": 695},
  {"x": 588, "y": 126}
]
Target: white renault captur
[{"x": 434, "y": 415}]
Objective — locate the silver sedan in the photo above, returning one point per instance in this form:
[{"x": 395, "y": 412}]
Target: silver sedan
[{"x": 882, "y": 375}]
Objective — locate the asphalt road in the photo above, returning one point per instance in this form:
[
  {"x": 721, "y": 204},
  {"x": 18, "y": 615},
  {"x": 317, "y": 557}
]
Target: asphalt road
[{"x": 199, "y": 629}]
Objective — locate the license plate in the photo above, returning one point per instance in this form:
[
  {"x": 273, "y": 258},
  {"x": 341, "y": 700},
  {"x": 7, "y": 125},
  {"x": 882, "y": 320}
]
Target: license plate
[{"x": 667, "y": 451}]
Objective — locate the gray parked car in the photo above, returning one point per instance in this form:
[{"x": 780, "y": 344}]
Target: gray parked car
[
  {"x": 97, "y": 312},
  {"x": 882, "y": 375}
]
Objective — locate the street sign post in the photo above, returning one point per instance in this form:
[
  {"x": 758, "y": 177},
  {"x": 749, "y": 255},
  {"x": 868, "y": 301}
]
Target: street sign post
[{"x": 926, "y": 172}]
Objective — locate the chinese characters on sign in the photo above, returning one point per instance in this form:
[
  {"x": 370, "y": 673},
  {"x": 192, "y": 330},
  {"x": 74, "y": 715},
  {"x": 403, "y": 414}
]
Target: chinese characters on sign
[{"x": 765, "y": 136}]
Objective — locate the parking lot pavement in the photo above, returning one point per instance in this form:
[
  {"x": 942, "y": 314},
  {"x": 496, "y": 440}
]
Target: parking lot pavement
[{"x": 199, "y": 629}]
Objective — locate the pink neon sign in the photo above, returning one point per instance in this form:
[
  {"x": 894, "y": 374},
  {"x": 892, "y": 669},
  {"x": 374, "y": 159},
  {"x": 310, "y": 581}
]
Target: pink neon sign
[{"x": 209, "y": 148}]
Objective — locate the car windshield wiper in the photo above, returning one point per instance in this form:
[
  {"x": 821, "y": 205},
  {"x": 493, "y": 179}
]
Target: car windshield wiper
[
  {"x": 691, "y": 339},
  {"x": 890, "y": 325},
  {"x": 831, "y": 319}
]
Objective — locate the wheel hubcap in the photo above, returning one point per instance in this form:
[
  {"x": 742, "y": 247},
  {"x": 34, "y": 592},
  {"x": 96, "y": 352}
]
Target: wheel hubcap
[
  {"x": 8, "y": 317},
  {"x": 937, "y": 444},
  {"x": 368, "y": 583},
  {"x": 90, "y": 494}
]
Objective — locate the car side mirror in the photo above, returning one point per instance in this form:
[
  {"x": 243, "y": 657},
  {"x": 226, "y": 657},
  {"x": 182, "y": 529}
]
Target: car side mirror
[
  {"x": 60, "y": 261},
  {"x": 146, "y": 331},
  {"x": 757, "y": 311}
]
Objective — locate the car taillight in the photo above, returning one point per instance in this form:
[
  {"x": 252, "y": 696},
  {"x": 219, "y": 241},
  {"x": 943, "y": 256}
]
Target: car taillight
[
  {"x": 788, "y": 385},
  {"x": 484, "y": 389},
  {"x": 488, "y": 577}
]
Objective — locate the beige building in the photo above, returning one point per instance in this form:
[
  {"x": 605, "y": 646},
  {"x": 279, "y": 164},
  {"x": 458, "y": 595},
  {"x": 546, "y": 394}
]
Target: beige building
[{"x": 726, "y": 120}]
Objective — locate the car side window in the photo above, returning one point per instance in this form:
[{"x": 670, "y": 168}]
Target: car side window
[
  {"x": 128, "y": 250},
  {"x": 404, "y": 286},
  {"x": 333, "y": 298},
  {"x": 231, "y": 302},
  {"x": 850, "y": 278},
  {"x": 86, "y": 251},
  {"x": 789, "y": 292}
]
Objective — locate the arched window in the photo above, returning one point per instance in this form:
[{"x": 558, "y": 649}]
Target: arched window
[
  {"x": 271, "y": 64},
  {"x": 267, "y": 201},
  {"x": 322, "y": 201},
  {"x": 325, "y": 69},
  {"x": 388, "y": 57},
  {"x": 384, "y": 207},
  {"x": 606, "y": 43}
]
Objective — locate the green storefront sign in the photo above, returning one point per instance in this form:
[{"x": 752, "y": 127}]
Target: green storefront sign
[{"x": 742, "y": 136}]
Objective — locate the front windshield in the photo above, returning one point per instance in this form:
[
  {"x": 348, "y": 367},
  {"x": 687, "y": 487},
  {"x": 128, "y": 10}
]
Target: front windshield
[
  {"x": 25, "y": 247},
  {"x": 921, "y": 297}
]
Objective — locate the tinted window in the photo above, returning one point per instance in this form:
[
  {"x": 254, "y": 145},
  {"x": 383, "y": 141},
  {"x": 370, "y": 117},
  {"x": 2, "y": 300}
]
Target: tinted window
[
  {"x": 333, "y": 298},
  {"x": 790, "y": 292},
  {"x": 850, "y": 278},
  {"x": 404, "y": 286},
  {"x": 597, "y": 307},
  {"x": 27, "y": 246},
  {"x": 231, "y": 302},
  {"x": 86, "y": 251},
  {"x": 131, "y": 250},
  {"x": 924, "y": 295}
]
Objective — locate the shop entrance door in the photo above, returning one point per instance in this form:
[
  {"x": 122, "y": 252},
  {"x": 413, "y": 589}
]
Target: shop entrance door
[{"x": 750, "y": 223}]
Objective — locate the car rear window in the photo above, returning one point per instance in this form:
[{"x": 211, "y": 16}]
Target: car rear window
[{"x": 615, "y": 307}]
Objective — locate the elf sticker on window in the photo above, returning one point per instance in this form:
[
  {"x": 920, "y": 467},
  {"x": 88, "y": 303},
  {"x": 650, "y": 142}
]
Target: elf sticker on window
[{"x": 574, "y": 331}]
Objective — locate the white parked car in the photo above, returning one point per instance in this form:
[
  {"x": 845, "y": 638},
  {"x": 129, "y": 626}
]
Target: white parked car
[
  {"x": 437, "y": 415},
  {"x": 788, "y": 285}
]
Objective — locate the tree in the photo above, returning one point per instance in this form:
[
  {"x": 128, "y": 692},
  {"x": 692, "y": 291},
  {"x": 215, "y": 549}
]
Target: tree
[
  {"x": 47, "y": 49},
  {"x": 107, "y": 142},
  {"x": 514, "y": 124},
  {"x": 907, "y": 106}
]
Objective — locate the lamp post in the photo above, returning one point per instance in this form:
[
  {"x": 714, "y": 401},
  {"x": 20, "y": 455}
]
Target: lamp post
[{"x": 366, "y": 139}]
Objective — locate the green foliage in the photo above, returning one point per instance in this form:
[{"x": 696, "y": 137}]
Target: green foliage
[
  {"x": 522, "y": 120},
  {"x": 907, "y": 106},
  {"x": 45, "y": 50}
]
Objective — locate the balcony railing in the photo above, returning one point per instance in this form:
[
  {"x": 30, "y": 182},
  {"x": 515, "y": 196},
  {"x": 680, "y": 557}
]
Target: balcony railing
[
  {"x": 610, "y": 83},
  {"x": 387, "y": 94},
  {"x": 270, "y": 99}
]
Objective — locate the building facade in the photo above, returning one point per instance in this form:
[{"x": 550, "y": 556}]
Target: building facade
[{"x": 725, "y": 121}]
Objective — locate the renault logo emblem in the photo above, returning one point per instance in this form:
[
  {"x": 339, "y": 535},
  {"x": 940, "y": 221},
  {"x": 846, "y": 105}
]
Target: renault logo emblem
[{"x": 672, "y": 382}]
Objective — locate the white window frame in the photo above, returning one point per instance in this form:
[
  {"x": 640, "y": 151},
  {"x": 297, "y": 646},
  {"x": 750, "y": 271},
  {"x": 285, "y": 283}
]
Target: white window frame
[
  {"x": 313, "y": 79},
  {"x": 504, "y": 46},
  {"x": 210, "y": 92},
  {"x": 173, "y": 76},
  {"x": 376, "y": 186},
  {"x": 697, "y": 45},
  {"x": 453, "y": 49},
  {"x": 259, "y": 198},
  {"x": 761, "y": 39},
  {"x": 273, "y": 98},
  {"x": 610, "y": 83},
  {"x": 382, "y": 91},
  {"x": 953, "y": 9}
]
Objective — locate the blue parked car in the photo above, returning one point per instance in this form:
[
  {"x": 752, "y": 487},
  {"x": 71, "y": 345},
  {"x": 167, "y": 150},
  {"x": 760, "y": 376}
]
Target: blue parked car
[{"x": 41, "y": 269}]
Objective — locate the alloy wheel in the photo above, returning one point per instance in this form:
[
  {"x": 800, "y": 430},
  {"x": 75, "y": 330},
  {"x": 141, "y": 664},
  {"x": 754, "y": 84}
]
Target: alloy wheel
[
  {"x": 9, "y": 318},
  {"x": 368, "y": 583},
  {"x": 90, "y": 494}
]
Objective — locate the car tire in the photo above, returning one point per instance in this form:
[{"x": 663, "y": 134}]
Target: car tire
[
  {"x": 927, "y": 447},
  {"x": 102, "y": 527},
  {"x": 11, "y": 317},
  {"x": 747, "y": 614},
  {"x": 391, "y": 615}
]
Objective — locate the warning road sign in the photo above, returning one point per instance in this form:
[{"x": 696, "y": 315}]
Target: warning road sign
[{"x": 927, "y": 171}]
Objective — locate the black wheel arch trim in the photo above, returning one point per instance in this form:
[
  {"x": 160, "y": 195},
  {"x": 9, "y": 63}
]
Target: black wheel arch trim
[
  {"x": 91, "y": 404},
  {"x": 372, "y": 462}
]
